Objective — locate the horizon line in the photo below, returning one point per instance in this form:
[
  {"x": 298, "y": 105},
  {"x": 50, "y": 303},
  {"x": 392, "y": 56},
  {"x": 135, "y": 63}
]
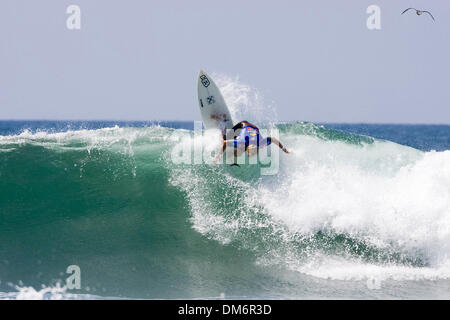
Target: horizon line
[{"x": 190, "y": 120}]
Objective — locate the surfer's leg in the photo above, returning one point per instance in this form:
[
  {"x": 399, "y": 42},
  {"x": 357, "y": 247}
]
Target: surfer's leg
[
  {"x": 238, "y": 148},
  {"x": 224, "y": 146},
  {"x": 222, "y": 118},
  {"x": 238, "y": 152}
]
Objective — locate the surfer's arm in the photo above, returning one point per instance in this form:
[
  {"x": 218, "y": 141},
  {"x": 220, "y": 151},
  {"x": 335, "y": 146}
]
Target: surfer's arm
[{"x": 279, "y": 144}]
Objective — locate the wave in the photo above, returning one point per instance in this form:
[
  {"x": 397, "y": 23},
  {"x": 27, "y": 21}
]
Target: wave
[{"x": 342, "y": 206}]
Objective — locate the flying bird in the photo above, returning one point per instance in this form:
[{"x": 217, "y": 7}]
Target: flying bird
[{"x": 419, "y": 12}]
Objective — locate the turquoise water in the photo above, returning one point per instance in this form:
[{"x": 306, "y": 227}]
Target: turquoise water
[{"x": 357, "y": 211}]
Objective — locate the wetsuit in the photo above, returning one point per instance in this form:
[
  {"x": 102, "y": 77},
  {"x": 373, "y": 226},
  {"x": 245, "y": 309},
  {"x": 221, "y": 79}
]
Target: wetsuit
[{"x": 248, "y": 135}]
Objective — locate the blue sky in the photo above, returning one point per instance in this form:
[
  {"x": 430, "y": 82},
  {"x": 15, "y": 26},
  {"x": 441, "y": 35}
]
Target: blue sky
[{"x": 139, "y": 60}]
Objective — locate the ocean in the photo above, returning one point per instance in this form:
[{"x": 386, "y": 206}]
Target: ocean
[{"x": 357, "y": 211}]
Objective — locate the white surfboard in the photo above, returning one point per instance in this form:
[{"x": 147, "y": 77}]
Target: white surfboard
[{"x": 214, "y": 111}]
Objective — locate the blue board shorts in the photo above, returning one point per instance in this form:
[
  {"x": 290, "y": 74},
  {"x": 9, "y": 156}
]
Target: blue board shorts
[{"x": 250, "y": 135}]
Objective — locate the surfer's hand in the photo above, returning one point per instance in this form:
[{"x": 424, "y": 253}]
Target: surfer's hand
[{"x": 286, "y": 150}]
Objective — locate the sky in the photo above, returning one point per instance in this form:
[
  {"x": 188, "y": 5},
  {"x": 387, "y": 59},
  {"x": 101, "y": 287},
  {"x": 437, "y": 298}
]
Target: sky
[{"x": 139, "y": 60}]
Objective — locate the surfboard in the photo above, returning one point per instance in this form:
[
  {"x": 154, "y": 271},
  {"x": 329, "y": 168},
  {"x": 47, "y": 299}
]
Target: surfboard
[
  {"x": 216, "y": 115},
  {"x": 213, "y": 109}
]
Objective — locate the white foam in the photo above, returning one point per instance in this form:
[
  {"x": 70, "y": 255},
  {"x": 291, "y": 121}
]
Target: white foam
[
  {"x": 338, "y": 268},
  {"x": 56, "y": 292},
  {"x": 382, "y": 194}
]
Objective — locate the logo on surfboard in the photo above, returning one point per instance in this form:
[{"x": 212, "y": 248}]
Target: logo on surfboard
[
  {"x": 205, "y": 81},
  {"x": 210, "y": 99}
]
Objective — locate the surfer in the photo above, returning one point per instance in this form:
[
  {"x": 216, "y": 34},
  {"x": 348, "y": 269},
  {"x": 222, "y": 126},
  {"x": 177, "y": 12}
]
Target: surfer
[{"x": 246, "y": 137}]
